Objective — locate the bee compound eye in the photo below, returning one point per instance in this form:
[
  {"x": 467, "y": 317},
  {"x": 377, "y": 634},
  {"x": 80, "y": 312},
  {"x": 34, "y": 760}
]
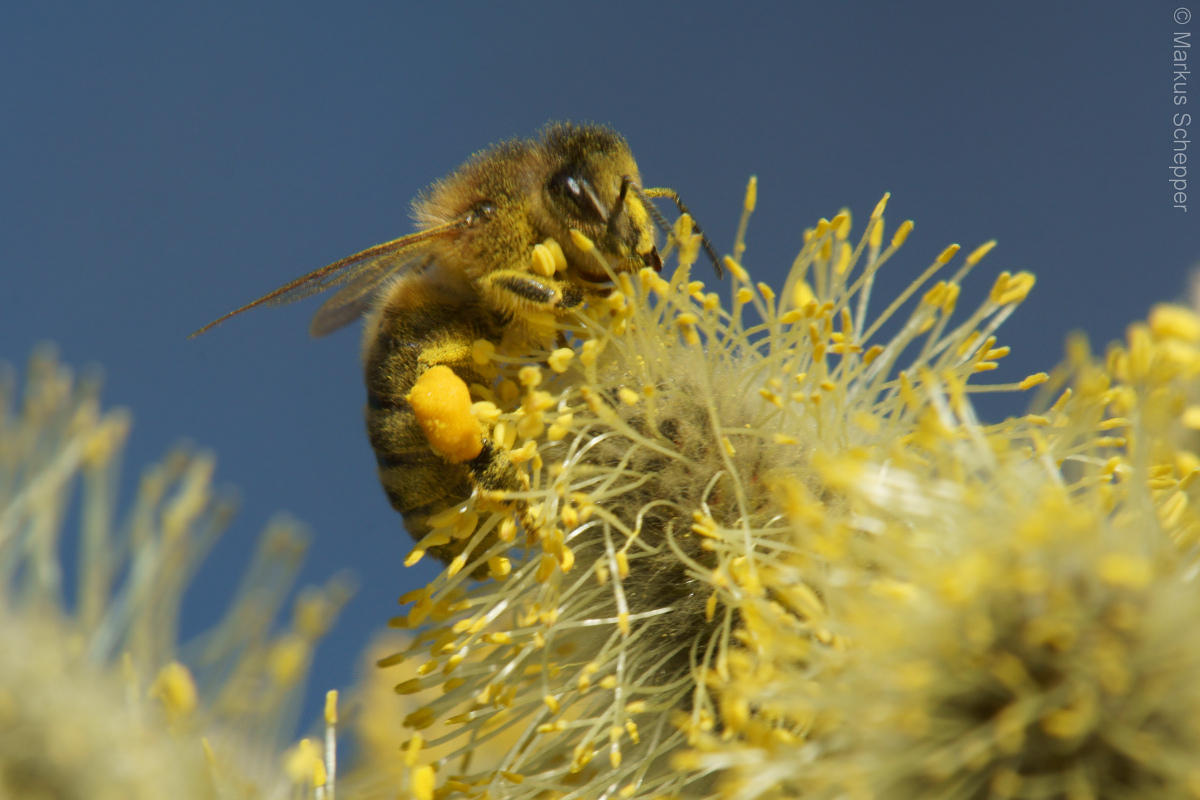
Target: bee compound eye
[{"x": 568, "y": 185}]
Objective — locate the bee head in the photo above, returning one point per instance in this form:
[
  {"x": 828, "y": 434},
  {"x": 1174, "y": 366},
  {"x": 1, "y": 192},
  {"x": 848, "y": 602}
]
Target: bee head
[{"x": 588, "y": 189}]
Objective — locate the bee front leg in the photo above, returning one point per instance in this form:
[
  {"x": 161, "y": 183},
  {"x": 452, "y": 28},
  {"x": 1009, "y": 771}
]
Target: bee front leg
[{"x": 523, "y": 292}]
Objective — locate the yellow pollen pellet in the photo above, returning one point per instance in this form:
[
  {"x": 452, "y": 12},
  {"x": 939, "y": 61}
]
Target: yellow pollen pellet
[
  {"x": 628, "y": 396},
  {"x": 560, "y": 358},
  {"x": 542, "y": 262},
  {"x": 442, "y": 405}
]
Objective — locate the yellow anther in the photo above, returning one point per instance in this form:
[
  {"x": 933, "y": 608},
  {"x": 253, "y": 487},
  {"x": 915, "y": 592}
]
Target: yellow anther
[
  {"x": 736, "y": 269},
  {"x": 947, "y": 254},
  {"x": 902, "y": 233},
  {"x": 175, "y": 689},
  {"x": 876, "y": 237},
  {"x": 1033, "y": 380},
  {"x": 582, "y": 242},
  {"x": 560, "y": 358},
  {"x": 979, "y": 252},
  {"x": 845, "y": 252},
  {"x": 542, "y": 262},
  {"x": 482, "y": 351},
  {"x": 530, "y": 376},
  {"x": 423, "y": 783},
  {"x": 751, "y": 198}
]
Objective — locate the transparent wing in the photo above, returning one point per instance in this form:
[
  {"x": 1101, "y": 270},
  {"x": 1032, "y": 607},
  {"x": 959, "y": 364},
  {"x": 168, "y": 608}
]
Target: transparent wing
[
  {"x": 352, "y": 301},
  {"x": 365, "y": 272}
]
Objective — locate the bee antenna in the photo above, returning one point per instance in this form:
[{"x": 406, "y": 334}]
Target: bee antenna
[{"x": 661, "y": 221}]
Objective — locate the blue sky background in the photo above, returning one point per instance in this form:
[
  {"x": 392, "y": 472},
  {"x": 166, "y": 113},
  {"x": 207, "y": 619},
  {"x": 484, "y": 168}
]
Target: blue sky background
[{"x": 164, "y": 163}]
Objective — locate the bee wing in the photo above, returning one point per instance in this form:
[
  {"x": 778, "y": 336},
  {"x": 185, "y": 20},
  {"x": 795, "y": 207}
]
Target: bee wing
[
  {"x": 351, "y": 302},
  {"x": 364, "y": 271}
]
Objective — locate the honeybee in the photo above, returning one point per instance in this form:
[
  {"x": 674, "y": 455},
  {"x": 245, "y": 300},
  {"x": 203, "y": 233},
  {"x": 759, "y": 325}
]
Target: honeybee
[{"x": 465, "y": 275}]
